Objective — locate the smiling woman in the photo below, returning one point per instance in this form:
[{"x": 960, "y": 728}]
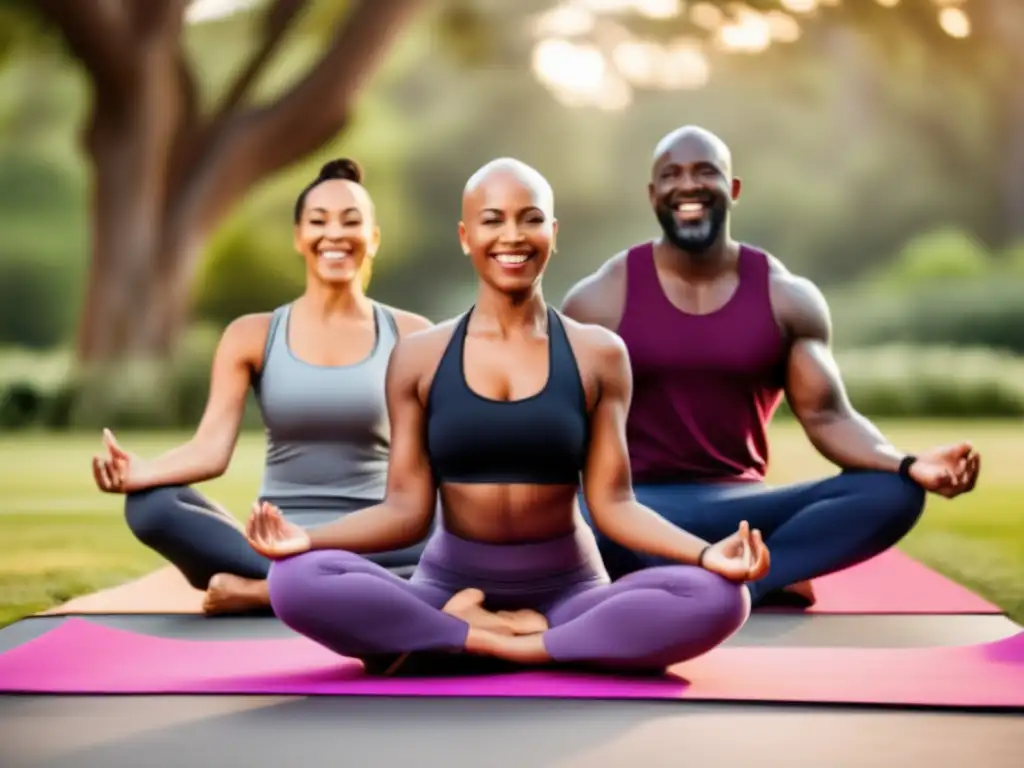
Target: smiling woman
[{"x": 317, "y": 367}]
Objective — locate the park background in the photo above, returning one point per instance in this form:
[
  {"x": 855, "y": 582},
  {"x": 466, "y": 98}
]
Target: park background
[{"x": 151, "y": 151}]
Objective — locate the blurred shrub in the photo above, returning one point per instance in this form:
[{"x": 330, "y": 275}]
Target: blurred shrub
[
  {"x": 42, "y": 218},
  {"x": 890, "y": 381},
  {"x": 982, "y": 313},
  {"x": 45, "y": 391},
  {"x": 33, "y": 305},
  {"x": 941, "y": 256},
  {"x": 943, "y": 289},
  {"x": 899, "y": 381},
  {"x": 248, "y": 268}
]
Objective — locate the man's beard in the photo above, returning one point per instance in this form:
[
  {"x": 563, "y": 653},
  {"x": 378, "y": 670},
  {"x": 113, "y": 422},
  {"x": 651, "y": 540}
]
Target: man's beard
[{"x": 694, "y": 237}]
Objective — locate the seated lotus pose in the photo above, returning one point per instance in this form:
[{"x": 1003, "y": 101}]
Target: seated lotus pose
[
  {"x": 500, "y": 410},
  {"x": 717, "y": 333},
  {"x": 317, "y": 367}
]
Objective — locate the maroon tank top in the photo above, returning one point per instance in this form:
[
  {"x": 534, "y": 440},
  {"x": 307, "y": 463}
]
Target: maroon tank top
[{"x": 704, "y": 386}]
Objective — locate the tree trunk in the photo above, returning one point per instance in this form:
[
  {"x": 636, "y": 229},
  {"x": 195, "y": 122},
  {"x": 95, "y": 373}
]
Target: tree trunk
[{"x": 132, "y": 134}]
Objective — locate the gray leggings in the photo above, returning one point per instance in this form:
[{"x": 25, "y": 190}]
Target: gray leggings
[{"x": 201, "y": 539}]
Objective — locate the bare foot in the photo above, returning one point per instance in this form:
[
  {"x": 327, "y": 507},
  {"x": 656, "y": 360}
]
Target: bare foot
[
  {"x": 799, "y": 595},
  {"x": 525, "y": 622},
  {"x": 519, "y": 649},
  {"x": 803, "y": 590},
  {"x": 468, "y": 605},
  {"x": 228, "y": 593}
]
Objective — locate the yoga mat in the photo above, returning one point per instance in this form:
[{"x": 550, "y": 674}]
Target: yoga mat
[
  {"x": 80, "y": 657},
  {"x": 893, "y": 583}
]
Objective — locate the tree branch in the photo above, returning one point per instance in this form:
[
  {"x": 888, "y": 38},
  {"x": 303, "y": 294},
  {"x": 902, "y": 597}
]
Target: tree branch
[
  {"x": 316, "y": 107},
  {"x": 96, "y": 33},
  {"x": 275, "y": 24},
  {"x": 260, "y": 140}
]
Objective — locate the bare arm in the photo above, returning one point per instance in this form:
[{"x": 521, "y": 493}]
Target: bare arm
[
  {"x": 814, "y": 386},
  {"x": 404, "y": 517},
  {"x": 600, "y": 298},
  {"x": 607, "y": 482},
  {"x": 209, "y": 451}
]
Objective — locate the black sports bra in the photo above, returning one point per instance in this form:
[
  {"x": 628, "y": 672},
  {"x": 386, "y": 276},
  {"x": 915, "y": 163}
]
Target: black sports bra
[{"x": 542, "y": 439}]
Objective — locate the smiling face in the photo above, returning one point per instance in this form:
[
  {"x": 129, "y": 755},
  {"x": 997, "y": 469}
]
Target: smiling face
[
  {"x": 692, "y": 190},
  {"x": 337, "y": 233},
  {"x": 508, "y": 226}
]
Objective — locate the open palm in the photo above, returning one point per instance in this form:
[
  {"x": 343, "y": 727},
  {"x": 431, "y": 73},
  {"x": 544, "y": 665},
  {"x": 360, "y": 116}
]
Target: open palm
[{"x": 273, "y": 536}]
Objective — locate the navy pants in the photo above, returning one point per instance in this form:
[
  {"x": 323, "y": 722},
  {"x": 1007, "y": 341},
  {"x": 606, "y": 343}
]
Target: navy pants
[
  {"x": 202, "y": 539},
  {"x": 811, "y": 529}
]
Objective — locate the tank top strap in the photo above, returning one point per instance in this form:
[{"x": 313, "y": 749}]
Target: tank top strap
[
  {"x": 565, "y": 369},
  {"x": 387, "y": 329},
  {"x": 754, "y": 272},
  {"x": 276, "y": 333},
  {"x": 448, "y": 376},
  {"x": 642, "y": 283}
]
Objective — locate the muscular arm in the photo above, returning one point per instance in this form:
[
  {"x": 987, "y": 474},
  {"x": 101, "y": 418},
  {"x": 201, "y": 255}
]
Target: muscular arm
[
  {"x": 404, "y": 517},
  {"x": 814, "y": 386},
  {"x": 209, "y": 451},
  {"x": 607, "y": 484},
  {"x": 600, "y": 298}
]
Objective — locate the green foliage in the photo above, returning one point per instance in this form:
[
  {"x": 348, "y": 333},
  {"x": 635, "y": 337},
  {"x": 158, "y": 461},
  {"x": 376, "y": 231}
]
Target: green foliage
[
  {"x": 248, "y": 268},
  {"x": 908, "y": 381},
  {"x": 944, "y": 288},
  {"x": 40, "y": 211},
  {"x": 944, "y": 255},
  {"x": 922, "y": 382},
  {"x": 21, "y": 30},
  {"x": 46, "y": 390},
  {"x": 986, "y": 312}
]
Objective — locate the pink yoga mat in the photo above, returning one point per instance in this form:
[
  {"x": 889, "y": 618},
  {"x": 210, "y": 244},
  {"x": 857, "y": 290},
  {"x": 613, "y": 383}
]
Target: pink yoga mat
[
  {"x": 81, "y": 657},
  {"x": 895, "y": 583}
]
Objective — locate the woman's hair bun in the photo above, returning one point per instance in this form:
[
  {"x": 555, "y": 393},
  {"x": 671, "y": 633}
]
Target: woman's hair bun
[{"x": 343, "y": 168}]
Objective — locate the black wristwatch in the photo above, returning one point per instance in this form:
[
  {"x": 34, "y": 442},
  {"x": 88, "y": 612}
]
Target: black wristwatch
[{"x": 905, "y": 465}]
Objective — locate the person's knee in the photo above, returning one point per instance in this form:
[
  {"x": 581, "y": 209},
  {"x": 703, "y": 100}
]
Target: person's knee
[
  {"x": 897, "y": 502},
  {"x": 294, "y": 583},
  {"x": 150, "y": 514},
  {"x": 720, "y": 605}
]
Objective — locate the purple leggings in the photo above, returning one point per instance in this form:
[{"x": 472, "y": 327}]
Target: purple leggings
[{"x": 647, "y": 620}]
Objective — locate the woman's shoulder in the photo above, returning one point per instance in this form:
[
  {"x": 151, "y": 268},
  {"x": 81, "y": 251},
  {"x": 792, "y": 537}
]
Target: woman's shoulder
[
  {"x": 594, "y": 339},
  {"x": 406, "y": 322}
]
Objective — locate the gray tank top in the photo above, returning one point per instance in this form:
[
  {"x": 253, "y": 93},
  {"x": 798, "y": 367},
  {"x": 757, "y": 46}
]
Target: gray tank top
[{"x": 328, "y": 434}]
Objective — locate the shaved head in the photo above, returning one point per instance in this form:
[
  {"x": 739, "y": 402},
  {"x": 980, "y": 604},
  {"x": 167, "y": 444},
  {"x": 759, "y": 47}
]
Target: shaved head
[
  {"x": 699, "y": 142},
  {"x": 508, "y": 169}
]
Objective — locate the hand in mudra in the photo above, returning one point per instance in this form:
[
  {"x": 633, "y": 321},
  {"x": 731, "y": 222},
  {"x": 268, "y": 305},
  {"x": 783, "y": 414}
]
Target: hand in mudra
[
  {"x": 948, "y": 471},
  {"x": 273, "y": 536},
  {"x": 113, "y": 472},
  {"x": 740, "y": 557}
]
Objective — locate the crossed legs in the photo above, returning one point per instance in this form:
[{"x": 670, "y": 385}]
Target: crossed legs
[
  {"x": 208, "y": 545},
  {"x": 645, "y": 621},
  {"x": 812, "y": 529}
]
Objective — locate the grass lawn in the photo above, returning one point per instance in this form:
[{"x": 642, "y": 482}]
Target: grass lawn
[{"x": 60, "y": 538}]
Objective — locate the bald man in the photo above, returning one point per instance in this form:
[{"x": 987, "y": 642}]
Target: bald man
[{"x": 717, "y": 333}]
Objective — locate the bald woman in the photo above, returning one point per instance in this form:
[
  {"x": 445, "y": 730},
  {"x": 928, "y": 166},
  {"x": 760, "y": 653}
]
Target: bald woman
[{"x": 502, "y": 411}]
